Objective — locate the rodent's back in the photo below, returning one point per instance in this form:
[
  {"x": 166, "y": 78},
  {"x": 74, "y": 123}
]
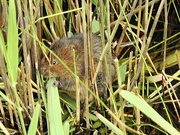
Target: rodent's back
[{"x": 76, "y": 42}]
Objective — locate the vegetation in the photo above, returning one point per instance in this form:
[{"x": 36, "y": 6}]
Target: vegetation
[{"x": 144, "y": 35}]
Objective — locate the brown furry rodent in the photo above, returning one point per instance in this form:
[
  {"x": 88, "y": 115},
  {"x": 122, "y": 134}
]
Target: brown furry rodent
[{"x": 63, "y": 48}]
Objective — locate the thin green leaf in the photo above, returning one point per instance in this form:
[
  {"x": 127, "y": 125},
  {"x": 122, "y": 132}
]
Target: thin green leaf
[
  {"x": 7, "y": 99},
  {"x": 109, "y": 124}
]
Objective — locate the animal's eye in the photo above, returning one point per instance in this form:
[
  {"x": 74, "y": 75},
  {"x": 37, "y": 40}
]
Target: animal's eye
[{"x": 54, "y": 62}]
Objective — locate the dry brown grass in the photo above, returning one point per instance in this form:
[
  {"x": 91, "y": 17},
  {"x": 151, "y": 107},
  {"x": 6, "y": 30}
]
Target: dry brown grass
[{"x": 148, "y": 52}]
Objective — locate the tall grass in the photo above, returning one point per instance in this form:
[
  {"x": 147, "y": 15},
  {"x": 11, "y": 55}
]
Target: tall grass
[
  {"x": 144, "y": 35},
  {"x": 10, "y": 53}
]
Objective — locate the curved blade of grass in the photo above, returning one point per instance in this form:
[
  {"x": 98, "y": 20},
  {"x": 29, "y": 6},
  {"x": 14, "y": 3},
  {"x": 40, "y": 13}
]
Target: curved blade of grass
[
  {"x": 12, "y": 44},
  {"x": 148, "y": 111},
  {"x": 11, "y": 56},
  {"x": 34, "y": 121},
  {"x": 54, "y": 109},
  {"x": 7, "y": 99},
  {"x": 109, "y": 124}
]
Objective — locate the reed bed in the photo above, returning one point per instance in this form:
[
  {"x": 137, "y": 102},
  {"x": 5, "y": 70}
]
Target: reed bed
[{"x": 144, "y": 36}]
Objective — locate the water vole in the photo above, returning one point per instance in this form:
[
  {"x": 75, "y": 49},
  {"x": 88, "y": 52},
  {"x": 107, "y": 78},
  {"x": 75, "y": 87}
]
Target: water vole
[{"x": 63, "y": 48}]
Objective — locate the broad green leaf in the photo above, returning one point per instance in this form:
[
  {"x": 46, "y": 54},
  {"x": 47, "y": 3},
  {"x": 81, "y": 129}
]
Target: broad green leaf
[
  {"x": 54, "y": 109},
  {"x": 34, "y": 122},
  {"x": 12, "y": 44},
  {"x": 171, "y": 60},
  {"x": 149, "y": 111},
  {"x": 95, "y": 26},
  {"x": 123, "y": 72},
  {"x": 66, "y": 128}
]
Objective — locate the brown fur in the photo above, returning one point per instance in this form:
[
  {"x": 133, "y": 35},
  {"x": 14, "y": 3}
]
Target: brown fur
[{"x": 63, "y": 48}]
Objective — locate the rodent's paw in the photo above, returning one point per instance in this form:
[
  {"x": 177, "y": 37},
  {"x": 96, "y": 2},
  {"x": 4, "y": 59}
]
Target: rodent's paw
[
  {"x": 46, "y": 85},
  {"x": 57, "y": 83}
]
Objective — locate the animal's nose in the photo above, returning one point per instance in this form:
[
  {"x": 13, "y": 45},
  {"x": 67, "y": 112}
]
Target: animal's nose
[{"x": 43, "y": 70}]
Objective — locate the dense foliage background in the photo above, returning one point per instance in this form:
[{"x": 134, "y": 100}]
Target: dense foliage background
[{"x": 143, "y": 34}]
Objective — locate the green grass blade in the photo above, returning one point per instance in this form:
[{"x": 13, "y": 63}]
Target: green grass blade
[
  {"x": 7, "y": 99},
  {"x": 34, "y": 121},
  {"x": 12, "y": 43},
  {"x": 66, "y": 126},
  {"x": 11, "y": 56},
  {"x": 54, "y": 109},
  {"x": 110, "y": 125},
  {"x": 149, "y": 111}
]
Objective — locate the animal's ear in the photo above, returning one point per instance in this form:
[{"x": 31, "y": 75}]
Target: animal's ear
[
  {"x": 45, "y": 58},
  {"x": 55, "y": 44}
]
